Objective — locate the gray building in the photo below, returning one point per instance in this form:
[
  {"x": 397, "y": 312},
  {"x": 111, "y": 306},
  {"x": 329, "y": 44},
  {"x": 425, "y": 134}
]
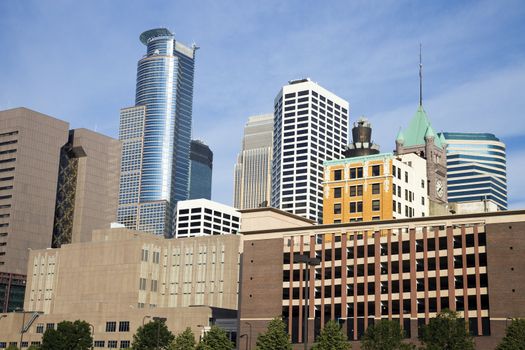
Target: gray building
[
  {"x": 252, "y": 172},
  {"x": 56, "y": 185},
  {"x": 201, "y": 167}
]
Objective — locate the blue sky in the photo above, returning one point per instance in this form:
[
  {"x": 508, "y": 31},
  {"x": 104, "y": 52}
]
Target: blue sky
[{"x": 76, "y": 60}]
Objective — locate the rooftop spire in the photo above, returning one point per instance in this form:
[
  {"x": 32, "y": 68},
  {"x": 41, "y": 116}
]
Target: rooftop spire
[{"x": 420, "y": 78}]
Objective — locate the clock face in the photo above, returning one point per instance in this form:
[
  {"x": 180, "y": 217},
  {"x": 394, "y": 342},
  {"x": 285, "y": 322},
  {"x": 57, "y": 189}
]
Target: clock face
[{"x": 439, "y": 189}]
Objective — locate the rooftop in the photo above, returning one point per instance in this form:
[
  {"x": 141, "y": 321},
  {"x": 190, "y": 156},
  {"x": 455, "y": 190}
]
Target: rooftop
[{"x": 154, "y": 33}]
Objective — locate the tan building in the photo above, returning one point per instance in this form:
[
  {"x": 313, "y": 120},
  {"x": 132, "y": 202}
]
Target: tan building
[
  {"x": 469, "y": 263},
  {"x": 56, "y": 186},
  {"x": 375, "y": 187},
  {"x": 123, "y": 275}
]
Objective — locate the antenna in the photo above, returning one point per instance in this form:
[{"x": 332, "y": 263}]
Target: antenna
[{"x": 420, "y": 78}]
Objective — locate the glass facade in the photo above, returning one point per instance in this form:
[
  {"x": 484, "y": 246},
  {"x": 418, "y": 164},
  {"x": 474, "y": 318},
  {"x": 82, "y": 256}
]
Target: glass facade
[
  {"x": 201, "y": 165},
  {"x": 156, "y": 135},
  {"x": 476, "y": 168}
]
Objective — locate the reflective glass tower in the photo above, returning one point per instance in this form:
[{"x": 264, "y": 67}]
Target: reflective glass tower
[
  {"x": 201, "y": 167},
  {"x": 476, "y": 168},
  {"x": 155, "y": 135}
]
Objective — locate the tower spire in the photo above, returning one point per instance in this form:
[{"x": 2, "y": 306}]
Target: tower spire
[{"x": 420, "y": 78}]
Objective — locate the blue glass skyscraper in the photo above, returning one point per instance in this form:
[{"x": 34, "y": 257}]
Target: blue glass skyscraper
[
  {"x": 201, "y": 168},
  {"x": 156, "y": 135}
]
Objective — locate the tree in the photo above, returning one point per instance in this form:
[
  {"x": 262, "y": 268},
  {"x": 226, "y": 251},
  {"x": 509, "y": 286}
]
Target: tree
[
  {"x": 514, "y": 336},
  {"x": 384, "y": 335},
  {"x": 33, "y": 347},
  {"x": 275, "y": 337},
  {"x": 331, "y": 338},
  {"x": 68, "y": 336},
  {"x": 184, "y": 341},
  {"x": 446, "y": 332},
  {"x": 12, "y": 347},
  {"x": 215, "y": 339},
  {"x": 153, "y": 335}
]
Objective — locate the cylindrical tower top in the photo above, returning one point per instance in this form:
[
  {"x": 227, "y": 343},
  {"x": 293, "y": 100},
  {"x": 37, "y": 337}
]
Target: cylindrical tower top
[{"x": 155, "y": 33}]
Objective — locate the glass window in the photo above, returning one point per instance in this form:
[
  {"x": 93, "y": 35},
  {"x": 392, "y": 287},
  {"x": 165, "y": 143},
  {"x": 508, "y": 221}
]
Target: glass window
[
  {"x": 123, "y": 326},
  {"x": 376, "y": 188},
  {"x": 337, "y": 208},
  {"x": 376, "y": 170},
  {"x": 376, "y": 205},
  {"x": 337, "y": 192},
  {"x": 338, "y": 174},
  {"x": 111, "y": 326}
]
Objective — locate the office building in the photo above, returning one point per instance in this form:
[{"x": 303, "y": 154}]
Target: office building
[
  {"x": 202, "y": 217},
  {"x": 123, "y": 277},
  {"x": 375, "y": 187},
  {"x": 156, "y": 135},
  {"x": 253, "y": 170},
  {"x": 471, "y": 264},
  {"x": 476, "y": 168},
  {"x": 310, "y": 127},
  {"x": 201, "y": 166},
  {"x": 56, "y": 184}
]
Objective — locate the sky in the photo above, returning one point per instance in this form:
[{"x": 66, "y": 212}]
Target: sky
[{"x": 76, "y": 61}]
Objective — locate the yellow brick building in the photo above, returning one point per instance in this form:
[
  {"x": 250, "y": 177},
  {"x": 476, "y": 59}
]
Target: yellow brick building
[{"x": 374, "y": 187}]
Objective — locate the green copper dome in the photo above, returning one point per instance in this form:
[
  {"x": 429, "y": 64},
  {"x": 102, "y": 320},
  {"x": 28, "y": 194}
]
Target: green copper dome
[{"x": 419, "y": 128}]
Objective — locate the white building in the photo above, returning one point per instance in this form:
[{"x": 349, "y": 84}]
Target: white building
[
  {"x": 409, "y": 186},
  {"x": 253, "y": 171},
  {"x": 310, "y": 126},
  {"x": 202, "y": 217}
]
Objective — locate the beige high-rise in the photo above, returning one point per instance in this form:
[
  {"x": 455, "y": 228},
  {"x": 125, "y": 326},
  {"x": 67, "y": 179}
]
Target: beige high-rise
[{"x": 56, "y": 186}]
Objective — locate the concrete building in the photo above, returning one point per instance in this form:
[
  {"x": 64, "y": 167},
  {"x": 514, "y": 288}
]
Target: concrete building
[
  {"x": 201, "y": 168},
  {"x": 55, "y": 185},
  {"x": 202, "y": 217},
  {"x": 156, "y": 135},
  {"x": 375, "y": 187},
  {"x": 476, "y": 168},
  {"x": 122, "y": 277},
  {"x": 468, "y": 263},
  {"x": 310, "y": 127},
  {"x": 253, "y": 170}
]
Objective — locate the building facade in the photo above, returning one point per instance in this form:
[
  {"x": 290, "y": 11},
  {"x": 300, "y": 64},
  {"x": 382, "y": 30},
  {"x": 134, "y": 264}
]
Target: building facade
[
  {"x": 419, "y": 137},
  {"x": 375, "y": 187},
  {"x": 310, "y": 127},
  {"x": 201, "y": 167},
  {"x": 202, "y": 217},
  {"x": 253, "y": 170},
  {"x": 467, "y": 263},
  {"x": 156, "y": 135},
  {"x": 55, "y": 184},
  {"x": 476, "y": 168}
]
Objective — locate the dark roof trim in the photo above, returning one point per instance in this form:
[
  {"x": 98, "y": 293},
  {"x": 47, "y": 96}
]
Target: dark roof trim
[{"x": 278, "y": 211}]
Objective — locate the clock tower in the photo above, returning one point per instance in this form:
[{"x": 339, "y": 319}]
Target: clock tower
[{"x": 419, "y": 137}]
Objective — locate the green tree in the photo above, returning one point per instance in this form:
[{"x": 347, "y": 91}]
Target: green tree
[
  {"x": 184, "y": 341},
  {"x": 331, "y": 337},
  {"x": 33, "y": 347},
  {"x": 275, "y": 337},
  {"x": 446, "y": 332},
  {"x": 12, "y": 347},
  {"x": 215, "y": 339},
  {"x": 68, "y": 336},
  {"x": 153, "y": 335},
  {"x": 514, "y": 336},
  {"x": 384, "y": 335}
]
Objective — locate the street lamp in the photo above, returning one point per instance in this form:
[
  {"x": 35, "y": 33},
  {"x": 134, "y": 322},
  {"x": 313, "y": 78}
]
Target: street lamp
[
  {"x": 159, "y": 320},
  {"x": 250, "y": 338},
  {"x": 144, "y": 320},
  {"x": 310, "y": 263},
  {"x": 92, "y": 335},
  {"x": 244, "y": 335}
]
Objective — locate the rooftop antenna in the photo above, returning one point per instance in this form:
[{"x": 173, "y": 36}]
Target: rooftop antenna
[{"x": 420, "y": 78}]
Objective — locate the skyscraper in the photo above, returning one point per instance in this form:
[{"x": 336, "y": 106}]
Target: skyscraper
[
  {"x": 201, "y": 166},
  {"x": 310, "y": 127},
  {"x": 156, "y": 135},
  {"x": 253, "y": 171},
  {"x": 56, "y": 186},
  {"x": 476, "y": 168}
]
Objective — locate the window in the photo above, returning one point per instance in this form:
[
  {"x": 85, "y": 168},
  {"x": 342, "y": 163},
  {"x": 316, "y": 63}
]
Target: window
[
  {"x": 422, "y": 183},
  {"x": 124, "y": 344},
  {"x": 423, "y": 200},
  {"x": 40, "y": 328},
  {"x": 394, "y": 189},
  {"x": 144, "y": 256},
  {"x": 376, "y": 170},
  {"x": 337, "y": 208},
  {"x": 376, "y": 188},
  {"x": 376, "y": 205},
  {"x": 338, "y": 175},
  {"x": 337, "y": 192},
  {"x": 142, "y": 284},
  {"x": 154, "y": 285},
  {"x": 50, "y": 326},
  {"x": 123, "y": 326},
  {"x": 111, "y": 326},
  {"x": 112, "y": 344},
  {"x": 406, "y": 176},
  {"x": 99, "y": 343},
  {"x": 356, "y": 207}
]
